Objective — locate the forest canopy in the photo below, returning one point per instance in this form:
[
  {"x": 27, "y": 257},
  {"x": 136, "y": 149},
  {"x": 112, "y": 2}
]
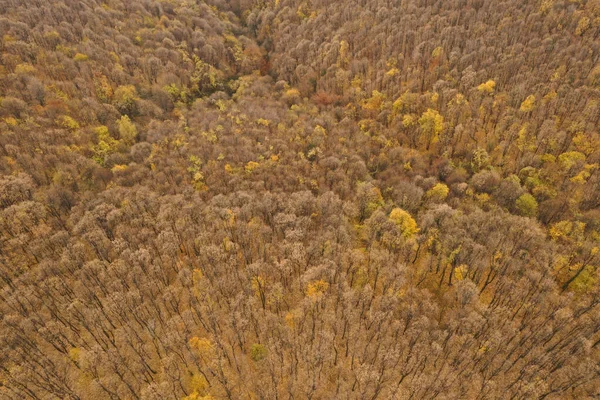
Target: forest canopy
[{"x": 299, "y": 199}]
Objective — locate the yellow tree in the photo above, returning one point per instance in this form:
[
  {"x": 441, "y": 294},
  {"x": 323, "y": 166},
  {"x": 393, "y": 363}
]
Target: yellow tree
[
  {"x": 528, "y": 104},
  {"x": 438, "y": 193},
  {"x": 127, "y": 130},
  {"x": 405, "y": 222},
  {"x": 432, "y": 124}
]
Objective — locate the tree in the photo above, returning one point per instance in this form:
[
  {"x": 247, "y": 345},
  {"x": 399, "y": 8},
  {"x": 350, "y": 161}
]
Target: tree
[
  {"x": 127, "y": 130},
  {"x": 527, "y": 205},
  {"x": 528, "y": 104},
  {"x": 432, "y": 124},
  {"x": 487, "y": 87},
  {"x": 124, "y": 99},
  {"x": 406, "y": 223},
  {"x": 438, "y": 192}
]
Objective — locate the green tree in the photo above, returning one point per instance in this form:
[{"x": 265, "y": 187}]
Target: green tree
[{"x": 527, "y": 205}]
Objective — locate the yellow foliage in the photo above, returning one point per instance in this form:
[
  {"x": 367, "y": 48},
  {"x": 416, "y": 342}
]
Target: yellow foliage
[
  {"x": 525, "y": 140},
  {"x": 125, "y": 98},
  {"x": 202, "y": 346},
  {"x": 197, "y": 276},
  {"x": 432, "y": 124},
  {"x": 405, "y": 222},
  {"x": 315, "y": 289},
  {"x": 127, "y": 130},
  {"x": 460, "y": 272},
  {"x": 118, "y": 168},
  {"x": 197, "y": 396},
  {"x": 568, "y": 230},
  {"x": 569, "y": 159},
  {"x": 198, "y": 383},
  {"x": 439, "y": 192},
  {"x": 528, "y": 104},
  {"x": 365, "y": 125},
  {"x": 179, "y": 141},
  {"x": 204, "y": 75},
  {"x": 176, "y": 93},
  {"x": 482, "y": 198},
  {"x": 460, "y": 99},
  {"x": 290, "y": 319},
  {"x": 560, "y": 229},
  {"x": 106, "y": 144},
  {"x": 343, "y": 58},
  {"x": 25, "y": 68},
  {"x": 581, "y": 177},
  {"x": 227, "y": 244},
  {"x": 258, "y": 352},
  {"x": 303, "y": 11},
  {"x": 549, "y": 158},
  {"x": 80, "y": 57},
  {"x": 546, "y": 5},
  {"x": 251, "y": 166},
  {"x": 74, "y": 353},
  {"x": 393, "y": 72},
  {"x": 480, "y": 159},
  {"x": 543, "y": 191},
  {"x": 11, "y": 121},
  {"x": 558, "y": 73},
  {"x": 66, "y": 50},
  {"x": 487, "y": 87},
  {"x": 312, "y": 153},
  {"x": 230, "y": 217},
  {"x": 585, "y": 280},
  {"x": 582, "y": 26},
  {"x": 437, "y": 52},
  {"x": 586, "y": 143},
  {"x": 319, "y": 130},
  {"x": 551, "y": 95},
  {"x": 103, "y": 88},
  {"x": 67, "y": 122},
  {"x": 375, "y": 102},
  {"x": 258, "y": 284},
  {"x": 211, "y": 136},
  {"x": 292, "y": 93},
  {"x": 263, "y": 122}
]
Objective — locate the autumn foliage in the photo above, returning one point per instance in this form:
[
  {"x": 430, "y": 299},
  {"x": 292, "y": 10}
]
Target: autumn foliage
[{"x": 296, "y": 199}]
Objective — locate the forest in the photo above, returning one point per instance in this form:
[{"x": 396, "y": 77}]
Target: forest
[{"x": 299, "y": 199}]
